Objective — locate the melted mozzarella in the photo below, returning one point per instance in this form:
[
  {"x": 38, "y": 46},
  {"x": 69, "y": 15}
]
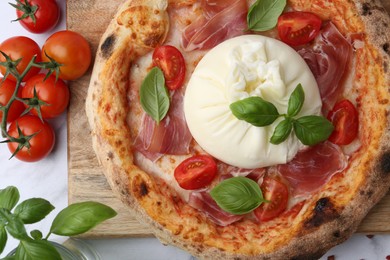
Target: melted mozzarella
[{"x": 241, "y": 67}]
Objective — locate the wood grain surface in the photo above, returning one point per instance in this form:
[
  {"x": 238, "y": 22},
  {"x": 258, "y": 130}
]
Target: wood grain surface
[{"x": 86, "y": 179}]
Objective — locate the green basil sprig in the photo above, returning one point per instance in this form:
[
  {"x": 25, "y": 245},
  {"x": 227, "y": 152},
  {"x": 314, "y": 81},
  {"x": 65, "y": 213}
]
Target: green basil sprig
[
  {"x": 238, "y": 195},
  {"x": 73, "y": 220},
  {"x": 263, "y": 14},
  {"x": 310, "y": 130},
  {"x": 154, "y": 95}
]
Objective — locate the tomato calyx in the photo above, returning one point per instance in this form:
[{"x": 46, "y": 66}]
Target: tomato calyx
[
  {"x": 27, "y": 9},
  {"x": 22, "y": 140},
  {"x": 33, "y": 103}
]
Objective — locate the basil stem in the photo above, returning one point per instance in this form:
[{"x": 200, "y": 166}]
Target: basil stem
[{"x": 310, "y": 130}]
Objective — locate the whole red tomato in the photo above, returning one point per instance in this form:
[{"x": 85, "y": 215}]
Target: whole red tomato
[
  {"x": 69, "y": 49},
  {"x": 7, "y": 89},
  {"x": 38, "y": 16},
  {"x": 54, "y": 94},
  {"x": 41, "y": 144},
  {"x": 20, "y": 47}
]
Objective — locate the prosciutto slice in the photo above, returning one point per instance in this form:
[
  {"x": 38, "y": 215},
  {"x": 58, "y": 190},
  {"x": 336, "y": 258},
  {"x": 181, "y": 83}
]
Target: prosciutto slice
[
  {"x": 329, "y": 59},
  {"x": 221, "y": 20},
  {"x": 312, "y": 168},
  {"x": 203, "y": 202},
  {"x": 171, "y": 136}
]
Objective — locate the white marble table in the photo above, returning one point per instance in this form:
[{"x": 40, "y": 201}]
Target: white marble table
[{"x": 48, "y": 179}]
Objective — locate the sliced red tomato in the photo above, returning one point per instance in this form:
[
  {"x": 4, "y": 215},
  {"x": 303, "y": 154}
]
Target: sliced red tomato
[
  {"x": 38, "y": 16},
  {"x": 294, "y": 211},
  {"x": 24, "y": 48},
  {"x": 54, "y": 93},
  {"x": 298, "y": 28},
  {"x": 41, "y": 144},
  {"x": 170, "y": 60},
  {"x": 276, "y": 193},
  {"x": 345, "y": 119},
  {"x": 196, "y": 172},
  {"x": 7, "y": 89}
]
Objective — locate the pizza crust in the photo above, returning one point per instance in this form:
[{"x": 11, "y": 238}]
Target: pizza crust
[{"x": 330, "y": 216}]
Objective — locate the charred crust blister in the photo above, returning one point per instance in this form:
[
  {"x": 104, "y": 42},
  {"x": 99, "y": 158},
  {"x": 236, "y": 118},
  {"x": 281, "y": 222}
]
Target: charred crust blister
[
  {"x": 143, "y": 189},
  {"x": 385, "y": 164},
  {"x": 107, "y": 46},
  {"x": 366, "y": 9},
  {"x": 324, "y": 211},
  {"x": 386, "y": 48}
]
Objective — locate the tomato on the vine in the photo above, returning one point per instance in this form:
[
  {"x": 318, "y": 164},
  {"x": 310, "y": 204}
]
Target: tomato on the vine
[
  {"x": 345, "y": 119},
  {"x": 38, "y": 16},
  {"x": 41, "y": 144},
  {"x": 7, "y": 89},
  {"x": 54, "y": 94},
  {"x": 24, "y": 48},
  {"x": 276, "y": 193},
  {"x": 298, "y": 28},
  {"x": 196, "y": 172},
  {"x": 69, "y": 49},
  {"x": 170, "y": 60}
]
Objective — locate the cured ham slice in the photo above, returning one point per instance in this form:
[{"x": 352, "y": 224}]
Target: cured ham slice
[
  {"x": 171, "y": 136},
  {"x": 312, "y": 168},
  {"x": 329, "y": 59},
  {"x": 203, "y": 202},
  {"x": 228, "y": 171},
  {"x": 221, "y": 20}
]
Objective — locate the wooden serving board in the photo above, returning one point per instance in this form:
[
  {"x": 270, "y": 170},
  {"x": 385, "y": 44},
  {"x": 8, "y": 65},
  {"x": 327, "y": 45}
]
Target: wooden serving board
[{"x": 86, "y": 179}]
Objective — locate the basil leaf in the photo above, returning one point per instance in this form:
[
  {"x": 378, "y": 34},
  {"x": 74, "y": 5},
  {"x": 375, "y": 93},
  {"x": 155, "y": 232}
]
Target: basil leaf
[
  {"x": 15, "y": 228},
  {"x": 296, "y": 101},
  {"x": 312, "y": 130},
  {"x": 33, "y": 210},
  {"x": 255, "y": 111},
  {"x": 237, "y": 195},
  {"x": 36, "y": 234},
  {"x": 80, "y": 217},
  {"x": 9, "y": 197},
  {"x": 263, "y": 14},
  {"x": 154, "y": 95},
  {"x": 3, "y": 239},
  {"x": 282, "y": 131},
  {"x": 33, "y": 249}
]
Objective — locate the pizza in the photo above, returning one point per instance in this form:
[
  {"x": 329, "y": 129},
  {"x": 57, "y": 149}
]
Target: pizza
[{"x": 245, "y": 129}]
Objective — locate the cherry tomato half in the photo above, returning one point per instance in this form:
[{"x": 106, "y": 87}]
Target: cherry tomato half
[
  {"x": 46, "y": 15},
  {"x": 23, "y": 48},
  {"x": 71, "y": 50},
  {"x": 54, "y": 94},
  {"x": 40, "y": 145},
  {"x": 276, "y": 193},
  {"x": 170, "y": 60},
  {"x": 196, "y": 172},
  {"x": 345, "y": 119},
  {"x": 298, "y": 28},
  {"x": 7, "y": 89}
]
